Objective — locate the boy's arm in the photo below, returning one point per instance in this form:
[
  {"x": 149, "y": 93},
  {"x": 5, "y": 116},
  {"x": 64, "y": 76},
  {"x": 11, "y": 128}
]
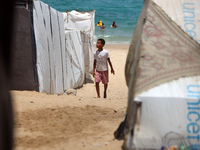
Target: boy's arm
[
  {"x": 94, "y": 66},
  {"x": 112, "y": 70}
]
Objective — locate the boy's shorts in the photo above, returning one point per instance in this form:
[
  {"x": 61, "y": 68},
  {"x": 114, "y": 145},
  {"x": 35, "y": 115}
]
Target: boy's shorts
[{"x": 101, "y": 76}]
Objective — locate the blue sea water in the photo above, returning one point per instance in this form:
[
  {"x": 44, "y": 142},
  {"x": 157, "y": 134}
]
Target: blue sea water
[{"x": 124, "y": 13}]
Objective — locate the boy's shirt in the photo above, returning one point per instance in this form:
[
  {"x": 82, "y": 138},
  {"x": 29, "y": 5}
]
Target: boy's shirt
[{"x": 101, "y": 60}]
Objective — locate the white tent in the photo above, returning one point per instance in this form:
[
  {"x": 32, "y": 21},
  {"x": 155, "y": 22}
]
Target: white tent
[
  {"x": 163, "y": 72},
  {"x": 74, "y": 59},
  {"x": 50, "y": 47},
  {"x": 186, "y": 14},
  {"x": 60, "y": 56},
  {"x": 83, "y": 21}
]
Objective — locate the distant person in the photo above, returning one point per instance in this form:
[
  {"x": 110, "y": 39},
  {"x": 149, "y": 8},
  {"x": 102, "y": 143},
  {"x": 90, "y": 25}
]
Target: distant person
[
  {"x": 98, "y": 24},
  {"x": 103, "y": 27},
  {"x": 100, "y": 67},
  {"x": 114, "y": 25}
]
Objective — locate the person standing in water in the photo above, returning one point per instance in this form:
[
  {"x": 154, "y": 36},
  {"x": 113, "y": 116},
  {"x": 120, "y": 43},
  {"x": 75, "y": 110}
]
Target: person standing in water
[
  {"x": 100, "y": 67},
  {"x": 103, "y": 27},
  {"x": 114, "y": 25}
]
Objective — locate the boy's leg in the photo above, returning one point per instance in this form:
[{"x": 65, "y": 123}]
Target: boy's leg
[
  {"x": 97, "y": 89},
  {"x": 105, "y": 89}
]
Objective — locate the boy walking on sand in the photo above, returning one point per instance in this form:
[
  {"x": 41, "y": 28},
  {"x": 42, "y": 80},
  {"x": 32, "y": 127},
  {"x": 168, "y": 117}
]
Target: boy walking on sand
[{"x": 101, "y": 57}]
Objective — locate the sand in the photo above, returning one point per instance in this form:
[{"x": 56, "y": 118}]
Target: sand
[{"x": 78, "y": 121}]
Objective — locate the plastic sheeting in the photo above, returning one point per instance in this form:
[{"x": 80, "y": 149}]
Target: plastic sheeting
[
  {"x": 186, "y": 14},
  {"x": 64, "y": 57},
  {"x": 88, "y": 49},
  {"x": 50, "y": 46},
  {"x": 165, "y": 122},
  {"x": 170, "y": 110},
  {"x": 83, "y": 21},
  {"x": 166, "y": 51},
  {"x": 74, "y": 59},
  {"x": 170, "y": 115}
]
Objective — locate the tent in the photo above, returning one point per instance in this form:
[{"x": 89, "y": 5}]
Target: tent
[
  {"x": 62, "y": 53},
  {"x": 50, "y": 47},
  {"x": 186, "y": 14},
  {"x": 83, "y": 21},
  {"x": 74, "y": 59},
  {"x": 54, "y": 58},
  {"x": 163, "y": 76}
]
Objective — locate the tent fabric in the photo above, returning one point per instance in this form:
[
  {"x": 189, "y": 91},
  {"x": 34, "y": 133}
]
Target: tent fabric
[
  {"x": 175, "y": 89},
  {"x": 162, "y": 70},
  {"x": 74, "y": 59},
  {"x": 64, "y": 57},
  {"x": 167, "y": 52},
  {"x": 83, "y": 21},
  {"x": 42, "y": 52},
  {"x": 63, "y": 50},
  {"x": 57, "y": 60},
  {"x": 57, "y": 50},
  {"x": 186, "y": 15},
  {"x": 50, "y": 45},
  {"x": 164, "y": 123},
  {"x": 88, "y": 49},
  {"x": 167, "y": 113}
]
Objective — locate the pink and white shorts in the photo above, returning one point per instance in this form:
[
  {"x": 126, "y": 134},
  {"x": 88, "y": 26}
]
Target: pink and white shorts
[{"x": 101, "y": 76}]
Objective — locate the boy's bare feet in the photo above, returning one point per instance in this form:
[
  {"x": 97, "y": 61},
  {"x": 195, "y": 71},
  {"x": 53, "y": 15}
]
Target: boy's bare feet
[{"x": 104, "y": 96}]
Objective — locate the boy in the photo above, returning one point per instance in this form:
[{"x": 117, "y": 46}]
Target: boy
[{"x": 101, "y": 57}]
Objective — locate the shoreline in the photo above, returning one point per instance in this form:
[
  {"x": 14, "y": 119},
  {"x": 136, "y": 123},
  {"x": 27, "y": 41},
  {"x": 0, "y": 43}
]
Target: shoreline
[
  {"x": 115, "y": 46},
  {"x": 107, "y": 43}
]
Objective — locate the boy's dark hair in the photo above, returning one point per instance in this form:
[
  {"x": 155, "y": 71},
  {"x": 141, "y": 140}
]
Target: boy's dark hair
[{"x": 102, "y": 41}]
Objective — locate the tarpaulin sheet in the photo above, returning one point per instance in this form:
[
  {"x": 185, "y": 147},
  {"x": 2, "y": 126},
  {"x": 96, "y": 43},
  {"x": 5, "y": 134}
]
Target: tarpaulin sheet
[
  {"x": 50, "y": 46},
  {"x": 185, "y": 13},
  {"x": 83, "y": 21},
  {"x": 170, "y": 115},
  {"x": 74, "y": 55}
]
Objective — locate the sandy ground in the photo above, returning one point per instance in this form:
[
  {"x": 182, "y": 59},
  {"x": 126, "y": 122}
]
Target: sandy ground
[{"x": 73, "y": 122}]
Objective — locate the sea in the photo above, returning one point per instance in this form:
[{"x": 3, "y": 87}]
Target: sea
[{"x": 124, "y": 12}]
